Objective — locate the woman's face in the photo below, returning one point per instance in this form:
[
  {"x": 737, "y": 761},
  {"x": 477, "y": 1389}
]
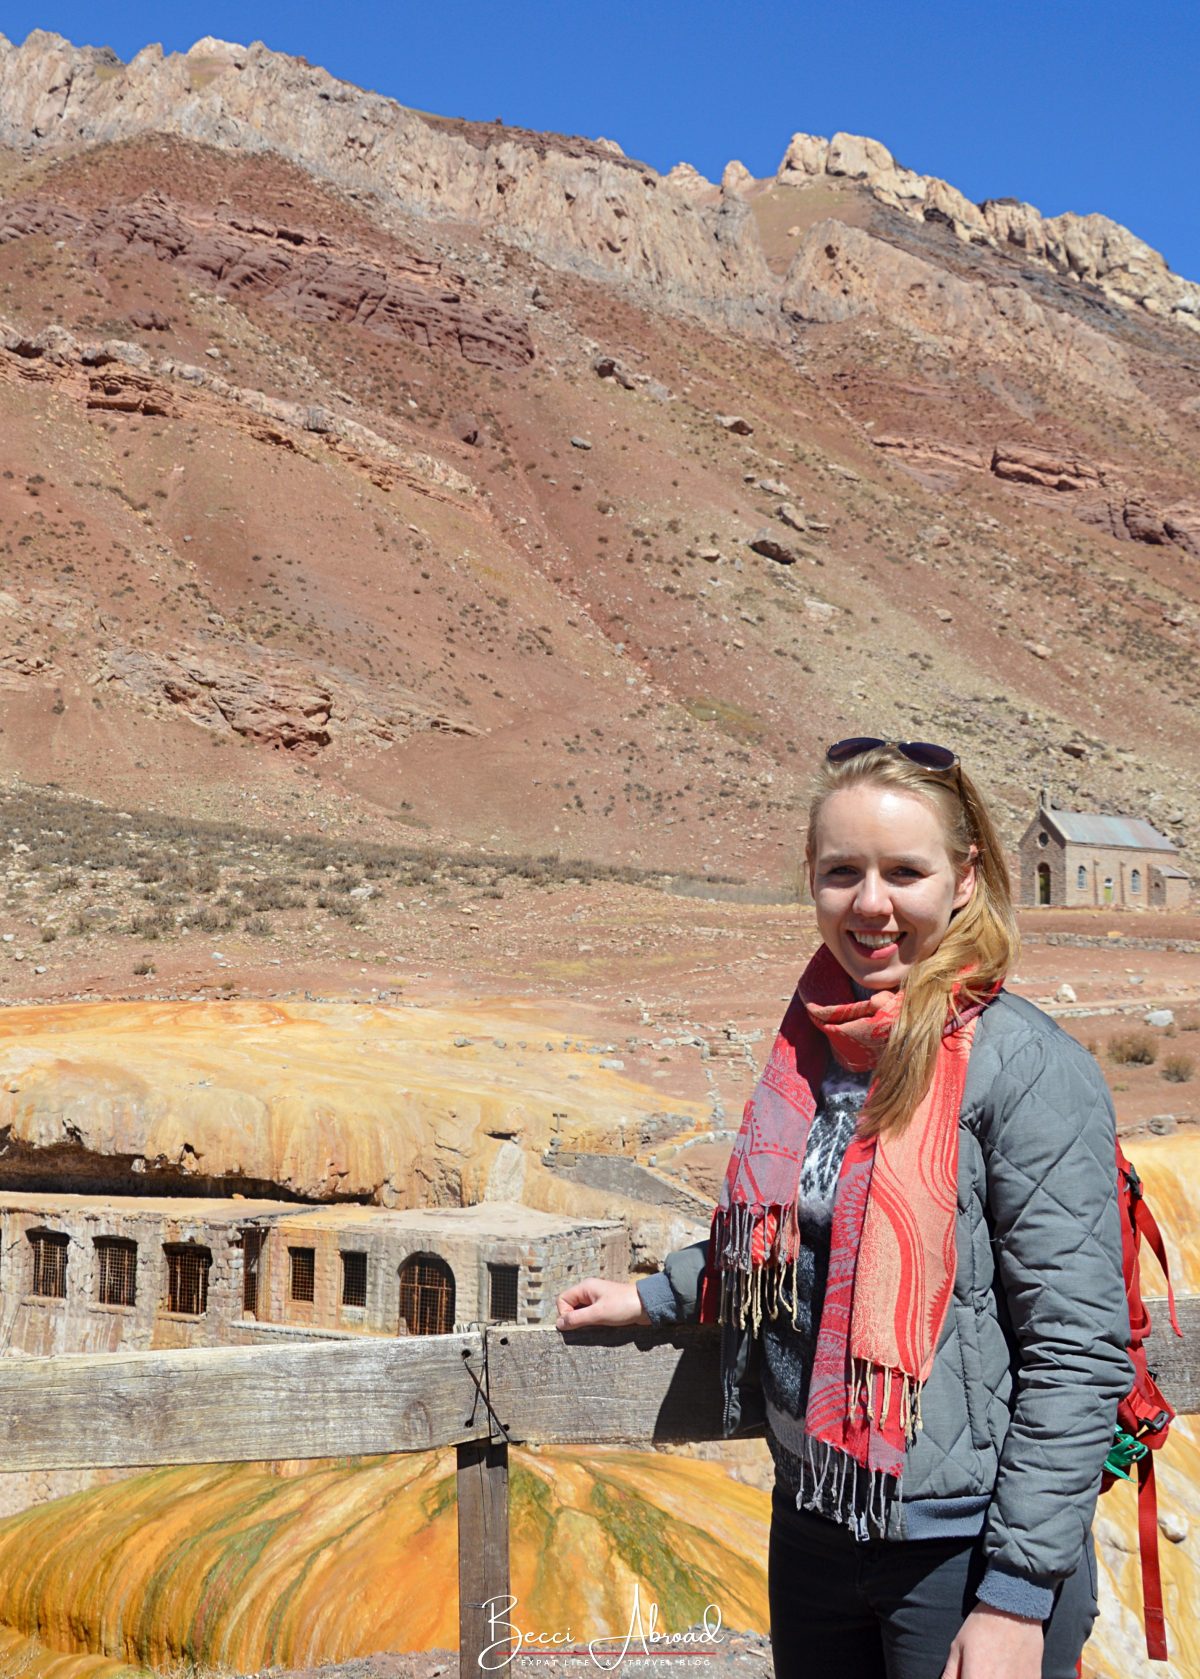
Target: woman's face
[{"x": 883, "y": 882}]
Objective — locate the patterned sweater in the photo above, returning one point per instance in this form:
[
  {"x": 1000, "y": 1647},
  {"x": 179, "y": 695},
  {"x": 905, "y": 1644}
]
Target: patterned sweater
[{"x": 788, "y": 1348}]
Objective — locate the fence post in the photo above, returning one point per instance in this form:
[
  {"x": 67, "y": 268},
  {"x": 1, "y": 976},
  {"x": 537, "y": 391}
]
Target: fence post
[{"x": 482, "y": 1549}]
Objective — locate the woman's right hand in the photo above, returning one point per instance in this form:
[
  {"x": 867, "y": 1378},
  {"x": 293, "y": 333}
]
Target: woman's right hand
[{"x": 600, "y": 1302}]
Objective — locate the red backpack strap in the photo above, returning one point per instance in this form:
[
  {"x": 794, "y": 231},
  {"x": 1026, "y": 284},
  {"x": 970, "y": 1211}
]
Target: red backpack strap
[
  {"x": 1147, "y": 1225},
  {"x": 1152, "y": 1596}
]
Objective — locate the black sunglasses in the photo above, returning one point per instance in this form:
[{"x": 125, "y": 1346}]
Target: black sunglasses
[{"x": 923, "y": 752}]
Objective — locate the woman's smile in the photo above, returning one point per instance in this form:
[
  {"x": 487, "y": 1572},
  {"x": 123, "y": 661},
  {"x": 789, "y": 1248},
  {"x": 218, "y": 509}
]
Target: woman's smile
[{"x": 876, "y": 946}]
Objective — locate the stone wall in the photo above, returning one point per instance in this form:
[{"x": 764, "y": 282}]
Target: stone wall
[
  {"x": 547, "y": 1252},
  {"x": 80, "y": 1322},
  {"x": 1031, "y": 855},
  {"x": 621, "y": 1175},
  {"x": 545, "y": 1264}
]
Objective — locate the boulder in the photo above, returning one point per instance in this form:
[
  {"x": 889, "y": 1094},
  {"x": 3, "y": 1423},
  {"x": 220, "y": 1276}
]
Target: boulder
[
  {"x": 466, "y": 428},
  {"x": 688, "y": 181},
  {"x": 805, "y": 157},
  {"x": 858, "y": 157},
  {"x": 609, "y": 367},
  {"x": 737, "y": 178},
  {"x": 771, "y": 548}
]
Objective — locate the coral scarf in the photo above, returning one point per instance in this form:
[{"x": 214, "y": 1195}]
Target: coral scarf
[{"x": 892, "y": 1255}]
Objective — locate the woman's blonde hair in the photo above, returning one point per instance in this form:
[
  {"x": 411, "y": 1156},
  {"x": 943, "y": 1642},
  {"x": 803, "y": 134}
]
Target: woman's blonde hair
[{"x": 982, "y": 937}]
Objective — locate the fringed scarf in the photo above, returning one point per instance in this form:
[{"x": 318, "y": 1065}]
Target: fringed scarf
[{"x": 892, "y": 1254}]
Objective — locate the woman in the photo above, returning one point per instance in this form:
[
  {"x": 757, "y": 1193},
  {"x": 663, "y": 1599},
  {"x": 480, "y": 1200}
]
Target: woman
[{"x": 917, "y": 1258}]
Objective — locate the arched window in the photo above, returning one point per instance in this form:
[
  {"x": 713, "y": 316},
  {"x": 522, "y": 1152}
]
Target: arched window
[
  {"x": 1081, "y": 878},
  {"x": 426, "y": 1295},
  {"x": 1043, "y": 883},
  {"x": 1135, "y": 881}
]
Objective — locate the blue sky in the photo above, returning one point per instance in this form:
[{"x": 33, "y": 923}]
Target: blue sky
[{"x": 1083, "y": 105}]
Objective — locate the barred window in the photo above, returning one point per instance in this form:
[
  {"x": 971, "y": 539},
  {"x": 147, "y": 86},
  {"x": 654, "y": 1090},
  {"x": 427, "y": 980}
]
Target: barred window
[
  {"x": 116, "y": 1271},
  {"x": 304, "y": 1273},
  {"x": 426, "y": 1295},
  {"x": 504, "y": 1279},
  {"x": 354, "y": 1279},
  {"x": 253, "y": 1243},
  {"x": 49, "y": 1250},
  {"x": 187, "y": 1278}
]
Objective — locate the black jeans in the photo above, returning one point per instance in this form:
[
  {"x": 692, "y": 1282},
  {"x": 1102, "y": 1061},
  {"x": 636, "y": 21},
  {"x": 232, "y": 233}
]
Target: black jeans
[{"x": 889, "y": 1609}]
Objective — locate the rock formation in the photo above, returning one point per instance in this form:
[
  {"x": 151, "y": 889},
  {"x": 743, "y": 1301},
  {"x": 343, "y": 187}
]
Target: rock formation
[
  {"x": 583, "y": 205},
  {"x": 298, "y": 1565},
  {"x": 579, "y": 203},
  {"x": 407, "y": 1107},
  {"x": 841, "y": 272},
  {"x": 292, "y": 268},
  {"x": 1086, "y": 248}
]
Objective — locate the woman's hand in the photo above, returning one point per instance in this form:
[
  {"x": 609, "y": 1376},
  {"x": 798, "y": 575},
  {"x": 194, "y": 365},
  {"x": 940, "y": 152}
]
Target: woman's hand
[
  {"x": 599, "y": 1302},
  {"x": 992, "y": 1644}
]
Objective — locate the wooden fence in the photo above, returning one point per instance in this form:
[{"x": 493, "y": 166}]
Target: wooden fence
[{"x": 479, "y": 1392}]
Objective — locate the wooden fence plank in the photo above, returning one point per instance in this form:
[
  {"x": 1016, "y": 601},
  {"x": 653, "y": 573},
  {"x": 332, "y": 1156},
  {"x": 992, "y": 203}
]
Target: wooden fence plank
[
  {"x": 365, "y": 1395},
  {"x": 482, "y": 1550},
  {"x": 653, "y": 1384},
  {"x": 606, "y": 1384},
  {"x": 238, "y": 1404}
]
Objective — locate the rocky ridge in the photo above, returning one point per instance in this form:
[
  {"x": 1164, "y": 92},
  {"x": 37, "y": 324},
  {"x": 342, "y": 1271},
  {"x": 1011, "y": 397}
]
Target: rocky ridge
[
  {"x": 586, "y": 206},
  {"x": 580, "y": 204},
  {"x": 1091, "y": 249}
]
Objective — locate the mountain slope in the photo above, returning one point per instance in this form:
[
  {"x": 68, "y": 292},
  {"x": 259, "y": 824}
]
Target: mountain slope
[{"x": 403, "y": 468}]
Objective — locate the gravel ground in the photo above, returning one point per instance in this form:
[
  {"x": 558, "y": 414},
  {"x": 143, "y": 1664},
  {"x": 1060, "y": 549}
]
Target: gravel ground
[{"x": 735, "y": 1655}]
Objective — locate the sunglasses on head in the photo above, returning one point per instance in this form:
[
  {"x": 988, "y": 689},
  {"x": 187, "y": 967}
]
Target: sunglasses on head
[{"x": 922, "y": 752}]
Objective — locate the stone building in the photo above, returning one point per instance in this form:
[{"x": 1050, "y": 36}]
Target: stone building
[
  {"x": 1082, "y": 858},
  {"x": 82, "y": 1273}
]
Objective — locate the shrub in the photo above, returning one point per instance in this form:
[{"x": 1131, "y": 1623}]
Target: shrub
[
  {"x": 1178, "y": 1069},
  {"x": 1137, "y": 1048}
]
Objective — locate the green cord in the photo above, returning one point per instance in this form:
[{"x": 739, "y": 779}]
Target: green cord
[{"x": 1124, "y": 1452}]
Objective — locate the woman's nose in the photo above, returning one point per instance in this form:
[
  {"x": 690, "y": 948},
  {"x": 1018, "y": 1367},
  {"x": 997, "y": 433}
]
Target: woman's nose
[{"x": 872, "y": 895}]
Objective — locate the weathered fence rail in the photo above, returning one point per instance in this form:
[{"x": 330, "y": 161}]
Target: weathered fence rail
[{"x": 479, "y": 1392}]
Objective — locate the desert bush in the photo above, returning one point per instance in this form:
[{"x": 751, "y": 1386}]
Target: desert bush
[
  {"x": 214, "y": 920},
  {"x": 1178, "y": 1069},
  {"x": 1136, "y": 1048}
]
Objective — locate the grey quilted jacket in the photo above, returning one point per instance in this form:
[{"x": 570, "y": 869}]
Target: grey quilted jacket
[{"x": 1020, "y": 1405}]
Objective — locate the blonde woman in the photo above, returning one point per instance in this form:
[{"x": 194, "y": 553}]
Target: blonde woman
[{"x": 917, "y": 1258}]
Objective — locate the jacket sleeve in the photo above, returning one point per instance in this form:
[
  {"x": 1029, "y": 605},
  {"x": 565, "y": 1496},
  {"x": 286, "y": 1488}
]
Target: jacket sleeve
[
  {"x": 1049, "y": 1133},
  {"x": 672, "y": 1295}
]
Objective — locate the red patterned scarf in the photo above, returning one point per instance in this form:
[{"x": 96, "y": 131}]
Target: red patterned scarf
[{"x": 892, "y": 1254}]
